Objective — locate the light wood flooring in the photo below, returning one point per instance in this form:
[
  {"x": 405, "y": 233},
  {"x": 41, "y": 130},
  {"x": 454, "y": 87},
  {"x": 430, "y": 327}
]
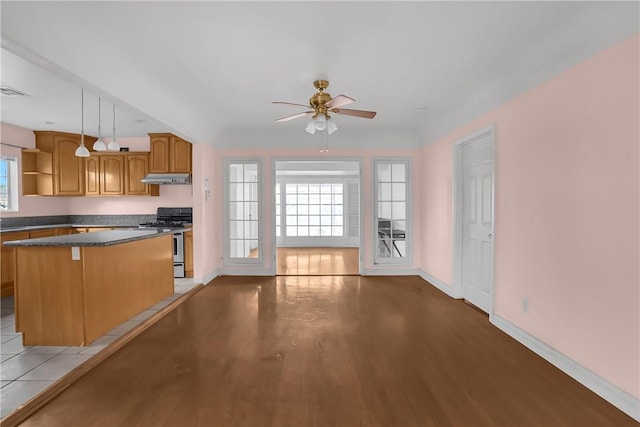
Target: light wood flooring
[
  {"x": 325, "y": 351},
  {"x": 317, "y": 261}
]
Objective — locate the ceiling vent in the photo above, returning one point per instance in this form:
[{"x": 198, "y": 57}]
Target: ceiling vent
[{"x": 9, "y": 91}]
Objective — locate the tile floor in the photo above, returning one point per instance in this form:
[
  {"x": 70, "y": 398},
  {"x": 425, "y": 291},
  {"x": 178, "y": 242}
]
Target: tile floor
[{"x": 26, "y": 371}]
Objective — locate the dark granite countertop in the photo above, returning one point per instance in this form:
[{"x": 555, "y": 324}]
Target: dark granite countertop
[
  {"x": 45, "y": 227},
  {"x": 97, "y": 238}
]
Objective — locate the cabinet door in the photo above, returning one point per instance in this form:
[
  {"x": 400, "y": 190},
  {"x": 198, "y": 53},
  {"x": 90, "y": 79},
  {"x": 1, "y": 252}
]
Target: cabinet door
[
  {"x": 65, "y": 231},
  {"x": 137, "y": 168},
  {"x": 159, "y": 154},
  {"x": 92, "y": 175},
  {"x": 180, "y": 156},
  {"x": 42, "y": 233},
  {"x": 188, "y": 253},
  {"x": 111, "y": 175},
  {"x": 68, "y": 169},
  {"x": 6, "y": 262}
]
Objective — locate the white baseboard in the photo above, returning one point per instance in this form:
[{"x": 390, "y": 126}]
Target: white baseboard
[
  {"x": 603, "y": 388},
  {"x": 390, "y": 272},
  {"x": 244, "y": 272},
  {"x": 437, "y": 283},
  {"x": 209, "y": 277}
]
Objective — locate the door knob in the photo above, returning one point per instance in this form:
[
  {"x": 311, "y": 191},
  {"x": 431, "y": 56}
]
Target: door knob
[{"x": 490, "y": 235}]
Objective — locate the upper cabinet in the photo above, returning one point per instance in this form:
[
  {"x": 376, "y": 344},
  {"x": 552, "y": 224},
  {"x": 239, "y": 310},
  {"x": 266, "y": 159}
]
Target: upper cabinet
[
  {"x": 169, "y": 154},
  {"x": 136, "y": 168},
  {"x": 68, "y": 170},
  {"x": 37, "y": 173},
  {"x": 52, "y": 169},
  {"x": 118, "y": 174}
]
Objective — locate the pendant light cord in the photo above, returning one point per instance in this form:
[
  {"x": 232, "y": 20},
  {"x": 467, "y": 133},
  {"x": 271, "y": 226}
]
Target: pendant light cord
[
  {"x": 82, "y": 118},
  {"x": 99, "y": 119}
]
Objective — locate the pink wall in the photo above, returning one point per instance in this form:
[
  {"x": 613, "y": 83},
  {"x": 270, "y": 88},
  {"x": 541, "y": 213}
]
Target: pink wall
[
  {"x": 567, "y": 210},
  {"x": 207, "y": 214}
]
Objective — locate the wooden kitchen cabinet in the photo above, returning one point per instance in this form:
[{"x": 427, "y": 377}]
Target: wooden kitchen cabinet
[
  {"x": 169, "y": 154},
  {"x": 65, "y": 231},
  {"x": 68, "y": 170},
  {"x": 188, "y": 253},
  {"x": 92, "y": 175},
  {"x": 7, "y": 257},
  {"x": 111, "y": 175},
  {"x": 136, "y": 168},
  {"x": 118, "y": 174},
  {"x": 37, "y": 173},
  {"x": 49, "y": 232}
]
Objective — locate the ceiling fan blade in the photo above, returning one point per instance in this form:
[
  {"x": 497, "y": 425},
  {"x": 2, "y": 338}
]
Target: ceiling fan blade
[
  {"x": 339, "y": 101},
  {"x": 290, "y": 103},
  {"x": 295, "y": 116},
  {"x": 356, "y": 113}
]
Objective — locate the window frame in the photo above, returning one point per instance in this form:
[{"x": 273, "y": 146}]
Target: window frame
[
  {"x": 13, "y": 183},
  {"x": 228, "y": 259},
  {"x": 407, "y": 258}
]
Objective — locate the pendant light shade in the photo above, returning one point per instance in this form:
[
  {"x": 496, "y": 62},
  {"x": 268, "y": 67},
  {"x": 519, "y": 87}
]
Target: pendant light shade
[
  {"x": 331, "y": 126},
  {"x": 82, "y": 151},
  {"x": 311, "y": 126},
  {"x": 321, "y": 122},
  {"x": 99, "y": 144},
  {"x": 113, "y": 145}
]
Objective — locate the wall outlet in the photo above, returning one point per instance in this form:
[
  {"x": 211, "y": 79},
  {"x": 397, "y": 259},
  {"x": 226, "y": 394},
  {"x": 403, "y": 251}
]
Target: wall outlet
[{"x": 525, "y": 304}]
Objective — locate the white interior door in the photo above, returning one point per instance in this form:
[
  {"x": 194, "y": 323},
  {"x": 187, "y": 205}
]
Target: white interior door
[{"x": 477, "y": 222}]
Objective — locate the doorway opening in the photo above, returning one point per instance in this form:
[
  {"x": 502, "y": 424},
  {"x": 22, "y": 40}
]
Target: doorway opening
[{"x": 317, "y": 217}]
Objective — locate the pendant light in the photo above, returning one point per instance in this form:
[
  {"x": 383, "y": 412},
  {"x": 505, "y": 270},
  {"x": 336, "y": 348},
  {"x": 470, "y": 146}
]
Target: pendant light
[
  {"x": 99, "y": 144},
  {"x": 113, "y": 145},
  {"x": 82, "y": 151}
]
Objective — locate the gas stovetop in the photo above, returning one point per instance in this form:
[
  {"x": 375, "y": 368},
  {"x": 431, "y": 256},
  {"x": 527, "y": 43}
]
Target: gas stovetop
[{"x": 170, "y": 218}]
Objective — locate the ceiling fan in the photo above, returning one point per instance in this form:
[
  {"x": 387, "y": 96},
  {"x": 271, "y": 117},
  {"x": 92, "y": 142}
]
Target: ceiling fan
[{"x": 321, "y": 104}]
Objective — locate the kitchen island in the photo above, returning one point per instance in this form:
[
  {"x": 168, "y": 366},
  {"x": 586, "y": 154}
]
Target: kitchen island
[{"x": 72, "y": 289}]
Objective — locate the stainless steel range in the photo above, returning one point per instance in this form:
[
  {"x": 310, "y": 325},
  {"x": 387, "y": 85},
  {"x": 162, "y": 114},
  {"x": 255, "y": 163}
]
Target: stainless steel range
[{"x": 175, "y": 219}]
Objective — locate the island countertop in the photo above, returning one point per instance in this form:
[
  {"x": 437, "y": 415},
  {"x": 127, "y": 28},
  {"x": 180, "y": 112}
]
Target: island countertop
[{"x": 97, "y": 238}]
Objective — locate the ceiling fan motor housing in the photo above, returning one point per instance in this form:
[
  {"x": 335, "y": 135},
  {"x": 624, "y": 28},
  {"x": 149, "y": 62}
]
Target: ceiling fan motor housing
[{"x": 320, "y": 98}]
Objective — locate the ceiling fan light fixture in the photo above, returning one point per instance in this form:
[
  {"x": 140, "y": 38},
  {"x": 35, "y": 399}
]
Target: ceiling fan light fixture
[
  {"x": 311, "y": 126},
  {"x": 321, "y": 122},
  {"x": 331, "y": 126}
]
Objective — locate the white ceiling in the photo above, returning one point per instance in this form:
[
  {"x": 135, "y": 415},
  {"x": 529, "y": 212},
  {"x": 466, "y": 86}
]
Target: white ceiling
[{"x": 208, "y": 71}]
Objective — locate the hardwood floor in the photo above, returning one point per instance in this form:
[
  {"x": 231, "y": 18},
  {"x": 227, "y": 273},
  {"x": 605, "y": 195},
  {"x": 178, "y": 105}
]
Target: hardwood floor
[
  {"x": 317, "y": 261},
  {"x": 325, "y": 351}
]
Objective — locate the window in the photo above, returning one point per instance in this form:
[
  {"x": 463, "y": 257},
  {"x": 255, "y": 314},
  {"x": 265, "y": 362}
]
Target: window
[
  {"x": 391, "y": 208},
  {"x": 314, "y": 209},
  {"x": 8, "y": 184},
  {"x": 243, "y": 211}
]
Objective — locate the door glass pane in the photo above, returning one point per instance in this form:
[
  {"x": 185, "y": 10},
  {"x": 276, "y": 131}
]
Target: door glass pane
[
  {"x": 398, "y": 192},
  {"x": 391, "y": 201},
  {"x": 243, "y": 209},
  {"x": 384, "y": 172},
  {"x": 398, "y": 172}
]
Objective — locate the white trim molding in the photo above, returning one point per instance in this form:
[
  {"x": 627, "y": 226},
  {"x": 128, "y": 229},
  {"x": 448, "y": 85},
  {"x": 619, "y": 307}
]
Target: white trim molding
[
  {"x": 390, "y": 272},
  {"x": 245, "y": 271},
  {"x": 603, "y": 388},
  {"x": 439, "y": 284},
  {"x": 209, "y": 277}
]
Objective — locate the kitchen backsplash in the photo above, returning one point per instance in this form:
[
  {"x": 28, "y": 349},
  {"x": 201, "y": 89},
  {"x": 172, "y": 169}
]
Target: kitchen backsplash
[{"x": 126, "y": 220}]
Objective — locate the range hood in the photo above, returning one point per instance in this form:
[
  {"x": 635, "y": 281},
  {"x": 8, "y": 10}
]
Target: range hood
[{"x": 168, "y": 178}]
